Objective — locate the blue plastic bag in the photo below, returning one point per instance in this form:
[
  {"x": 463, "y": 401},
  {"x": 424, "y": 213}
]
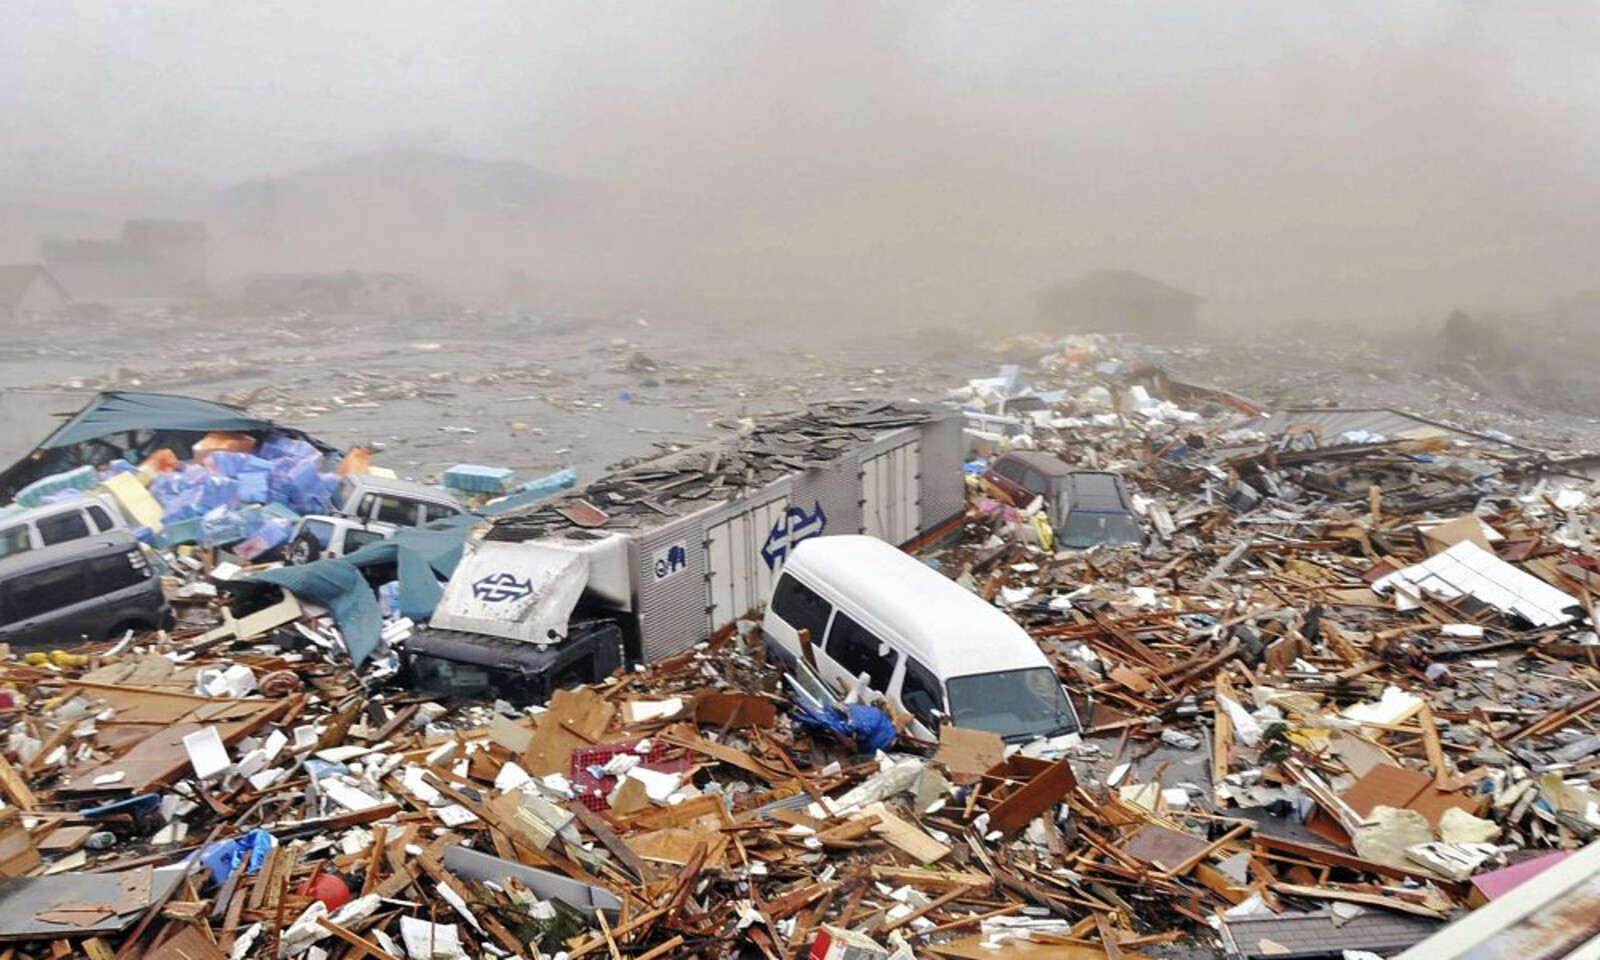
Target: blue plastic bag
[
  {"x": 869, "y": 727},
  {"x": 250, "y": 850}
]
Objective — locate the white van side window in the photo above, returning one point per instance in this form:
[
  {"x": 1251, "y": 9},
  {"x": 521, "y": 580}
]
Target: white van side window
[
  {"x": 14, "y": 540},
  {"x": 855, "y": 648},
  {"x": 801, "y": 607}
]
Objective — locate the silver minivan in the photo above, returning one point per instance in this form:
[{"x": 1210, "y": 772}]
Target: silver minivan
[
  {"x": 400, "y": 502},
  {"x": 46, "y": 526}
]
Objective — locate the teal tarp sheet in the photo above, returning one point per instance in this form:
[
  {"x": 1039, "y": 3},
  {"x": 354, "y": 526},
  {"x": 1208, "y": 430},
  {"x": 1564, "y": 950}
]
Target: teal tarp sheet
[
  {"x": 120, "y": 411},
  {"x": 421, "y": 556},
  {"x": 339, "y": 586}
]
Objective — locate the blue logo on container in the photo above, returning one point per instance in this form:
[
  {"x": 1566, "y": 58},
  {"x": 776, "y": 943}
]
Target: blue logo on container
[
  {"x": 674, "y": 559},
  {"x": 794, "y": 527},
  {"x": 503, "y": 587}
]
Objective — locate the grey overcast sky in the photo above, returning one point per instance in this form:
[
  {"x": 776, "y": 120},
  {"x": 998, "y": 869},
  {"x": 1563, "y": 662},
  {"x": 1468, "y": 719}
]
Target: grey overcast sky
[{"x": 1276, "y": 155}]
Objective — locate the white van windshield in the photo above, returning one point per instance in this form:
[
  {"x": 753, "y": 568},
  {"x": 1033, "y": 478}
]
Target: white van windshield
[{"x": 1016, "y": 704}]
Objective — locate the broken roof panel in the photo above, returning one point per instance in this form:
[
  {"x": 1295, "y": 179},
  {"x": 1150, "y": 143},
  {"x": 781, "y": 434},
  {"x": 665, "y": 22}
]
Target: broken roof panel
[{"x": 1468, "y": 569}]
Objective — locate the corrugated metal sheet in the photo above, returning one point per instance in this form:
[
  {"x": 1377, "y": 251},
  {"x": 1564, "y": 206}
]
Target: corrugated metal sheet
[
  {"x": 739, "y": 570},
  {"x": 835, "y": 490},
  {"x": 672, "y": 608},
  {"x": 890, "y": 494},
  {"x": 943, "y": 491},
  {"x": 1467, "y": 568}
]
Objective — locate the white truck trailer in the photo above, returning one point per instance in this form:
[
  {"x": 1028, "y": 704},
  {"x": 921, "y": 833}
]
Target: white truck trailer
[{"x": 675, "y": 548}]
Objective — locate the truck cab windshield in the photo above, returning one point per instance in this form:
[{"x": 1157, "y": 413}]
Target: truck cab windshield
[{"x": 1016, "y": 704}]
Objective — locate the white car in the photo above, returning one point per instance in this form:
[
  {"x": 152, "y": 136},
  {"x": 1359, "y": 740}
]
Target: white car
[
  {"x": 75, "y": 519},
  {"x": 321, "y": 537}
]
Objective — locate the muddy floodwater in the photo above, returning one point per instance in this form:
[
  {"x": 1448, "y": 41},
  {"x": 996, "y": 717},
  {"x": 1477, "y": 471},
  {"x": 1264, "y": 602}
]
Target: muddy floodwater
[
  {"x": 526, "y": 393},
  {"x": 537, "y": 393}
]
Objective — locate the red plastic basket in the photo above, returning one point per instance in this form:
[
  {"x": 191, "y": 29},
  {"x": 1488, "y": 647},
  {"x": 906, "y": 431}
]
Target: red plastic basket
[{"x": 592, "y": 791}]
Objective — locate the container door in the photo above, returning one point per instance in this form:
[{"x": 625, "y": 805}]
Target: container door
[
  {"x": 738, "y": 577},
  {"x": 890, "y": 492}
]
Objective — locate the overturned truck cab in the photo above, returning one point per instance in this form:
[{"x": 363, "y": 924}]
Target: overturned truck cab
[{"x": 507, "y": 625}]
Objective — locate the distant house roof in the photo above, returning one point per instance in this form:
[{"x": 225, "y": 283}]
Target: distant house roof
[
  {"x": 1119, "y": 285},
  {"x": 167, "y": 231},
  {"x": 17, "y": 278},
  {"x": 286, "y": 287}
]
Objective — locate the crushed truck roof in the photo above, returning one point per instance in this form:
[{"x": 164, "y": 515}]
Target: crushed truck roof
[{"x": 651, "y": 492}]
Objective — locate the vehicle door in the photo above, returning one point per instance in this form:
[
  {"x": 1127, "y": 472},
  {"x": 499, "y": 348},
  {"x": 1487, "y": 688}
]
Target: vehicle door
[
  {"x": 1006, "y": 474},
  {"x": 54, "y": 605},
  {"x": 121, "y": 584},
  {"x": 854, "y": 650},
  {"x": 795, "y": 606},
  {"x": 918, "y": 692}
]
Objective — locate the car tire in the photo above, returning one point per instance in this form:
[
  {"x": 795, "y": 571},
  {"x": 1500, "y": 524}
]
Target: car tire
[
  {"x": 117, "y": 632},
  {"x": 305, "y": 549}
]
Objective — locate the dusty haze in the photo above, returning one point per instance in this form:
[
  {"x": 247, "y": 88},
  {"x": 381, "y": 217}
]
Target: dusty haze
[{"x": 926, "y": 162}]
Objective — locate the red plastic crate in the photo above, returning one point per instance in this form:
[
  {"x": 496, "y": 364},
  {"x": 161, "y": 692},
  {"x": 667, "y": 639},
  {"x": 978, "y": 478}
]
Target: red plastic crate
[{"x": 592, "y": 791}]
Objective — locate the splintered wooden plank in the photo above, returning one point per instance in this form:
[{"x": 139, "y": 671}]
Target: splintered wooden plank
[{"x": 1033, "y": 798}]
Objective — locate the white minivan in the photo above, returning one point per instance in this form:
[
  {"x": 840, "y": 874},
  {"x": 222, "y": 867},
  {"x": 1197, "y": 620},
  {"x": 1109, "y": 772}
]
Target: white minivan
[
  {"x": 930, "y": 647},
  {"x": 75, "y": 518}
]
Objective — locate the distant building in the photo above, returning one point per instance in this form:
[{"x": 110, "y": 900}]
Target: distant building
[
  {"x": 1119, "y": 301},
  {"x": 27, "y": 291},
  {"x": 153, "y": 260},
  {"x": 354, "y": 292}
]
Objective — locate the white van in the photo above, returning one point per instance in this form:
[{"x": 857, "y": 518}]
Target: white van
[{"x": 929, "y": 646}]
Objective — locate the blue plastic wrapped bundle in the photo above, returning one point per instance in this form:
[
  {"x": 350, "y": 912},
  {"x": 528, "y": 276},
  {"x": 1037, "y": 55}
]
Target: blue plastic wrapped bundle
[
  {"x": 115, "y": 467},
  {"x": 252, "y": 473},
  {"x": 869, "y": 727},
  {"x": 474, "y": 478},
  {"x": 220, "y": 527},
  {"x": 287, "y": 448},
  {"x": 327, "y": 489},
  {"x": 269, "y": 535},
  {"x": 183, "y": 505},
  {"x": 169, "y": 485},
  {"x": 182, "y": 531},
  {"x": 533, "y": 491},
  {"x": 295, "y": 483},
  {"x": 550, "y": 483},
  {"x": 219, "y": 492},
  {"x": 78, "y": 478}
]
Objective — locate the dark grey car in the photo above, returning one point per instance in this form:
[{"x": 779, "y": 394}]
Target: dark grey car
[
  {"x": 86, "y": 590},
  {"x": 1098, "y": 511}
]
